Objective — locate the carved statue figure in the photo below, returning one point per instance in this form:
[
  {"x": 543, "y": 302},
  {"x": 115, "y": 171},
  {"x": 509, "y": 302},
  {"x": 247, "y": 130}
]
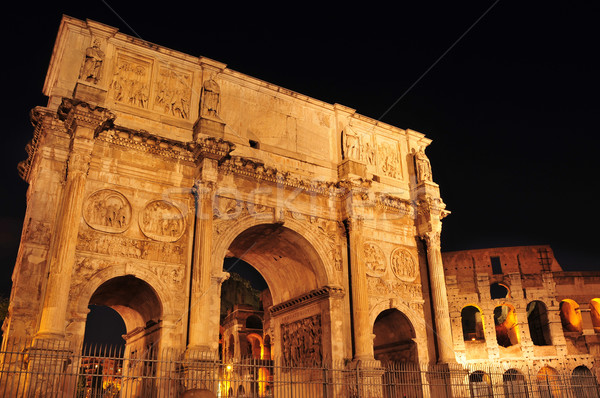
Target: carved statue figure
[
  {"x": 211, "y": 93},
  {"x": 351, "y": 145},
  {"x": 94, "y": 57},
  {"x": 423, "y": 166}
]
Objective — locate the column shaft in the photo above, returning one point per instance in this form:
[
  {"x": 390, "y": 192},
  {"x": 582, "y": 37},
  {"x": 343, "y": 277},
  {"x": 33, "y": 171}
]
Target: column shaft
[
  {"x": 202, "y": 269},
  {"x": 363, "y": 331},
  {"x": 440, "y": 299},
  {"x": 61, "y": 253}
]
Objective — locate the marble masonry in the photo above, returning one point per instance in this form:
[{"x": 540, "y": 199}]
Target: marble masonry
[{"x": 148, "y": 168}]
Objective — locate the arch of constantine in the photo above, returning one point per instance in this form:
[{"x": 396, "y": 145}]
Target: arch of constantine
[{"x": 150, "y": 169}]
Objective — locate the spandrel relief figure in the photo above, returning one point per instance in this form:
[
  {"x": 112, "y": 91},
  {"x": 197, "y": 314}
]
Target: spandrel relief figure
[
  {"x": 374, "y": 259},
  {"x": 423, "y": 166},
  {"x": 211, "y": 97},
  {"x": 92, "y": 64},
  {"x": 351, "y": 144}
]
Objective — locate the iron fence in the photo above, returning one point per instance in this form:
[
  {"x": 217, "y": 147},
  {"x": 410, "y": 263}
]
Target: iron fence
[{"x": 50, "y": 369}]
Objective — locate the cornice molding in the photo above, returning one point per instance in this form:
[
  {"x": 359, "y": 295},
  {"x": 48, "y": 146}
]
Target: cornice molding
[{"x": 306, "y": 299}]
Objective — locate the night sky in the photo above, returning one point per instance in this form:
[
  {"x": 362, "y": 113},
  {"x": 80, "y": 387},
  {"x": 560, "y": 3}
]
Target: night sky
[{"x": 507, "y": 91}]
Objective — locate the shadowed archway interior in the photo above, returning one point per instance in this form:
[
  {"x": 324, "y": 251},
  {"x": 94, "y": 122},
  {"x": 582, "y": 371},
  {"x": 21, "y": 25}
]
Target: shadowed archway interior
[{"x": 286, "y": 260}]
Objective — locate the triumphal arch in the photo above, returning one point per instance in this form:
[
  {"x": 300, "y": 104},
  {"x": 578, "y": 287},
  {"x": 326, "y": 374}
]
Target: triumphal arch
[{"x": 148, "y": 168}]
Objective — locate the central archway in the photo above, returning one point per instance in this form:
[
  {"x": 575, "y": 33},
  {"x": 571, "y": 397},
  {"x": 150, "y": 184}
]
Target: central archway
[{"x": 286, "y": 260}]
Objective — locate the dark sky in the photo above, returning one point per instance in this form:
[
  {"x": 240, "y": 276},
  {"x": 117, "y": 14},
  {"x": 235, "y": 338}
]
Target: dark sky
[{"x": 511, "y": 107}]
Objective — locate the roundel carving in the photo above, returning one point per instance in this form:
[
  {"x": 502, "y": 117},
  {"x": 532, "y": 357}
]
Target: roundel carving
[
  {"x": 403, "y": 265},
  {"x": 108, "y": 211},
  {"x": 374, "y": 259},
  {"x": 162, "y": 221}
]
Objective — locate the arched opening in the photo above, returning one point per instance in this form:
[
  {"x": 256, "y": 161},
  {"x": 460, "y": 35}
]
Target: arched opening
[
  {"x": 472, "y": 324},
  {"x": 231, "y": 348},
  {"x": 267, "y": 348},
  {"x": 286, "y": 267},
  {"x": 549, "y": 383},
  {"x": 570, "y": 317},
  {"x": 537, "y": 318},
  {"x": 480, "y": 384},
  {"x": 394, "y": 345},
  {"x": 507, "y": 329},
  {"x": 254, "y": 322},
  {"x": 515, "y": 384},
  {"x": 595, "y": 314},
  {"x": 499, "y": 291},
  {"x": 140, "y": 310},
  {"x": 584, "y": 383},
  {"x": 255, "y": 345}
]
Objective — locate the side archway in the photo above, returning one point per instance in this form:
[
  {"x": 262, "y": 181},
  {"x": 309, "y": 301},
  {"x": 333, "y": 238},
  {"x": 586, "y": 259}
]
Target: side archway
[
  {"x": 570, "y": 316},
  {"x": 537, "y": 318},
  {"x": 507, "y": 328}
]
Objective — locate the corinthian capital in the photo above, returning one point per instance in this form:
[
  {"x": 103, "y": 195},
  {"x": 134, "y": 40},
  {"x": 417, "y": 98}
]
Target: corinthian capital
[
  {"x": 203, "y": 189},
  {"x": 80, "y": 114},
  {"x": 432, "y": 238},
  {"x": 78, "y": 163}
]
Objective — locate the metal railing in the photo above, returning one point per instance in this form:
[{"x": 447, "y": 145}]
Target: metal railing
[{"x": 50, "y": 369}]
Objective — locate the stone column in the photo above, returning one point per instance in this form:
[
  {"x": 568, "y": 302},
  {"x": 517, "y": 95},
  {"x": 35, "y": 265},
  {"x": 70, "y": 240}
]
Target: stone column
[
  {"x": 202, "y": 268},
  {"x": 83, "y": 123},
  {"x": 363, "y": 330},
  {"x": 439, "y": 297}
]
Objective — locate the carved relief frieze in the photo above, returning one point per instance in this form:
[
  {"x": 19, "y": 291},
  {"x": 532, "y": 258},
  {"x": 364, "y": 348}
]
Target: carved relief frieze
[
  {"x": 403, "y": 265},
  {"x": 384, "y": 287},
  {"x": 107, "y": 210},
  {"x": 358, "y": 146},
  {"x": 37, "y": 232},
  {"x": 374, "y": 259},
  {"x": 131, "y": 81},
  {"x": 301, "y": 341},
  {"x": 114, "y": 245},
  {"x": 173, "y": 92},
  {"x": 162, "y": 221}
]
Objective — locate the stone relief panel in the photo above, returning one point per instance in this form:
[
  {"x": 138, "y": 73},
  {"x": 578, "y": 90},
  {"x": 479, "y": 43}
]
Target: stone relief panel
[
  {"x": 162, "y": 221},
  {"x": 173, "y": 92},
  {"x": 379, "y": 287},
  {"x": 131, "y": 81},
  {"x": 403, "y": 265},
  {"x": 107, "y": 211},
  {"x": 301, "y": 341},
  {"x": 37, "y": 232},
  {"x": 358, "y": 146},
  {"x": 374, "y": 259},
  {"x": 388, "y": 159},
  {"x": 113, "y": 245}
]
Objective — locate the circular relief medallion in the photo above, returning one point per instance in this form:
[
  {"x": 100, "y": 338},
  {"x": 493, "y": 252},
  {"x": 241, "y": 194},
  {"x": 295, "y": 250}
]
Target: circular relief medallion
[
  {"x": 403, "y": 265},
  {"x": 374, "y": 259},
  {"x": 108, "y": 211},
  {"x": 162, "y": 221}
]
